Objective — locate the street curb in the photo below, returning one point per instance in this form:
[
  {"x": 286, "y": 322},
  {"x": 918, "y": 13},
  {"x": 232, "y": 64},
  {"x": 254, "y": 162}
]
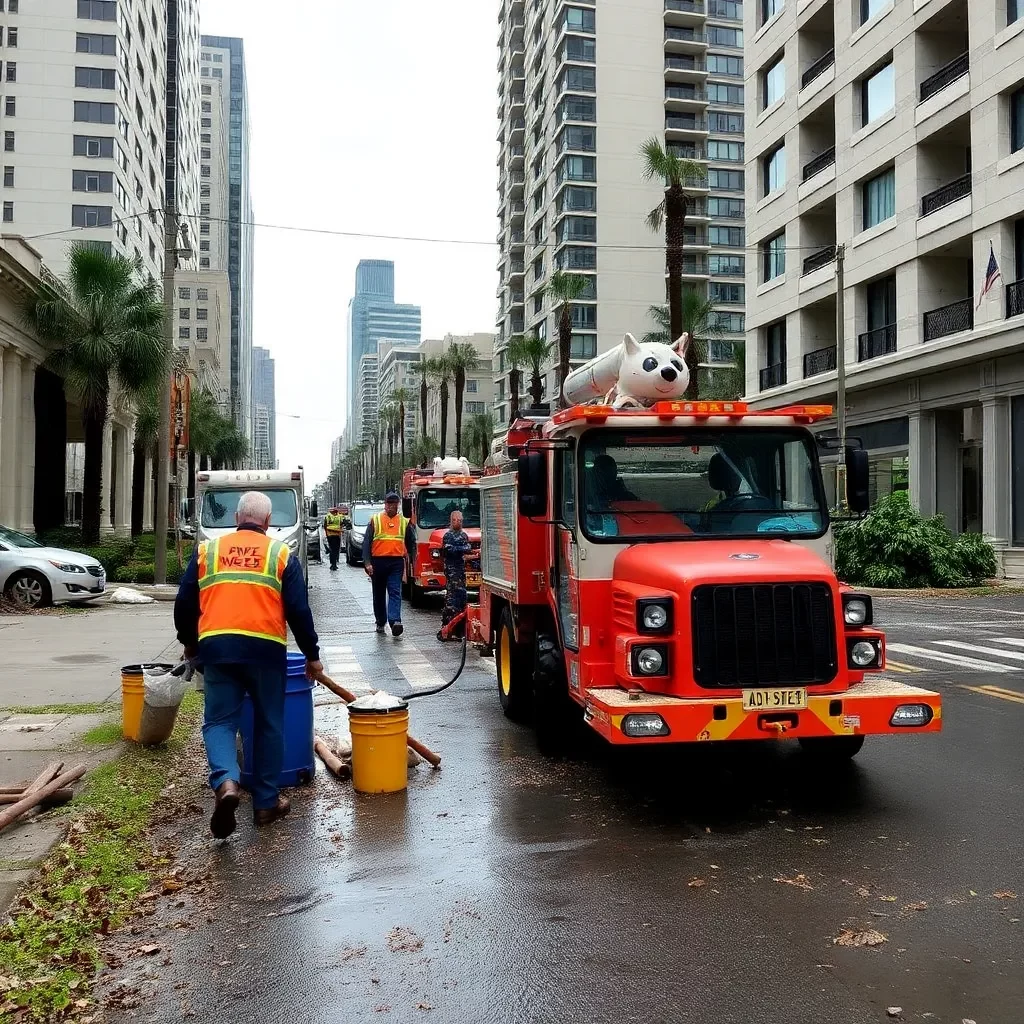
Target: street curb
[
  {"x": 163, "y": 592},
  {"x": 993, "y": 591}
]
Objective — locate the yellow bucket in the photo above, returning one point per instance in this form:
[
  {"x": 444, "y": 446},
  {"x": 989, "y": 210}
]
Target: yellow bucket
[
  {"x": 133, "y": 696},
  {"x": 380, "y": 763}
]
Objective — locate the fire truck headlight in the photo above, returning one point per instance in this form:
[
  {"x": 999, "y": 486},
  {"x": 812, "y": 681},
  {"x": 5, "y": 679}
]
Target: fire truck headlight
[
  {"x": 857, "y": 609},
  {"x": 644, "y": 725},
  {"x": 910, "y": 715},
  {"x": 649, "y": 661},
  {"x": 654, "y": 615},
  {"x": 864, "y": 653}
]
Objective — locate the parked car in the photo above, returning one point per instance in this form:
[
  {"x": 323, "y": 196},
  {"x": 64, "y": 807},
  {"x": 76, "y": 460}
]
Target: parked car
[
  {"x": 359, "y": 516},
  {"x": 33, "y": 575},
  {"x": 314, "y": 552}
]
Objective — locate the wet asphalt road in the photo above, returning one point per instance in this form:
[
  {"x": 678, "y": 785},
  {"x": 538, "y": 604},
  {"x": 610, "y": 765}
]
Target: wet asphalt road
[{"x": 700, "y": 886}]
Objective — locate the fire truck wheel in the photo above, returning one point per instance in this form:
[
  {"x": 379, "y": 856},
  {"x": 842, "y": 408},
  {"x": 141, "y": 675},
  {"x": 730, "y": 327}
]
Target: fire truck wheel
[
  {"x": 832, "y": 748},
  {"x": 416, "y": 598},
  {"x": 557, "y": 716},
  {"x": 513, "y": 664}
]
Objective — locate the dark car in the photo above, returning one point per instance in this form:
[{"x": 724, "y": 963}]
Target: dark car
[
  {"x": 314, "y": 553},
  {"x": 359, "y": 519}
]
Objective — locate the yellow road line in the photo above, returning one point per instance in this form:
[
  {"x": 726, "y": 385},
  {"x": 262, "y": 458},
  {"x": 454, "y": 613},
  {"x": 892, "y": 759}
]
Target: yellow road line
[
  {"x": 996, "y": 691},
  {"x": 898, "y": 666}
]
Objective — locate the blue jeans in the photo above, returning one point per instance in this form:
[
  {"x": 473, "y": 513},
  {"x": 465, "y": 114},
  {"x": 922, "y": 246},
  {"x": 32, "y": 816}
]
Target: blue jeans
[
  {"x": 387, "y": 590},
  {"x": 225, "y": 686}
]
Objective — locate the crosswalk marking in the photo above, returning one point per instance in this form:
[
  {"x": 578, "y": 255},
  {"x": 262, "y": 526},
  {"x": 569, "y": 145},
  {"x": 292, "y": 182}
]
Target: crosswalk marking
[
  {"x": 1013, "y": 641},
  {"x": 978, "y": 649},
  {"x": 997, "y": 691},
  {"x": 950, "y": 659}
]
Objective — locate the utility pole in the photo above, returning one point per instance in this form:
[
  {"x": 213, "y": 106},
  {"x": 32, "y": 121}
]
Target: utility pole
[{"x": 841, "y": 376}]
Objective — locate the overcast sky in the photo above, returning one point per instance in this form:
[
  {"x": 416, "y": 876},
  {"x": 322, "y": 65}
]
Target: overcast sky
[{"x": 373, "y": 116}]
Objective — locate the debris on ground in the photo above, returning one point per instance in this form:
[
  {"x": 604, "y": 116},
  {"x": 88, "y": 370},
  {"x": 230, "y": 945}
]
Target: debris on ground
[
  {"x": 799, "y": 881},
  {"x": 868, "y": 937},
  {"x": 42, "y": 789},
  {"x": 404, "y": 940},
  {"x": 894, "y": 1011}
]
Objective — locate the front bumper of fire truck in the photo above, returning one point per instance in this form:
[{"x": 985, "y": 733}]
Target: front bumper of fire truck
[{"x": 872, "y": 707}]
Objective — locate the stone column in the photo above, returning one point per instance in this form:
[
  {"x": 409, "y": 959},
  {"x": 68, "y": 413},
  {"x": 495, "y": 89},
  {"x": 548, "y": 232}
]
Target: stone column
[
  {"x": 147, "y": 512},
  {"x": 922, "y": 461},
  {"x": 3, "y": 349},
  {"x": 27, "y": 446},
  {"x": 106, "y": 524},
  {"x": 126, "y": 452},
  {"x": 996, "y": 470},
  {"x": 10, "y": 478}
]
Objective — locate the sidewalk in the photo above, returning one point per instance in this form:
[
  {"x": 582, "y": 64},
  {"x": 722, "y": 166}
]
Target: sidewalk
[{"x": 59, "y": 670}]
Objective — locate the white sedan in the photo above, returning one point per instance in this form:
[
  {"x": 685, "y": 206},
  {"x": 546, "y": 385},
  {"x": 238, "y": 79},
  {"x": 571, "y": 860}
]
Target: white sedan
[{"x": 33, "y": 575}]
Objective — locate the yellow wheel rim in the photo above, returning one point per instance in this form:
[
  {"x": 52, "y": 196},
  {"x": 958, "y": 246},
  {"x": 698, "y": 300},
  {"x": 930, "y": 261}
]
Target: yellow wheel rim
[{"x": 505, "y": 661}]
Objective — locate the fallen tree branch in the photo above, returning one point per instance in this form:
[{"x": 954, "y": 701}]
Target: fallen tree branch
[
  {"x": 36, "y": 797},
  {"x": 334, "y": 764}
]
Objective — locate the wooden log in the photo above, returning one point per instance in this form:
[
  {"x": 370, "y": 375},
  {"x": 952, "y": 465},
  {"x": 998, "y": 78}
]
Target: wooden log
[
  {"x": 35, "y": 798},
  {"x": 50, "y": 772},
  {"x": 62, "y": 796},
  {"x": 335, "y": 765},
  {"x": 348, "y": 697}
]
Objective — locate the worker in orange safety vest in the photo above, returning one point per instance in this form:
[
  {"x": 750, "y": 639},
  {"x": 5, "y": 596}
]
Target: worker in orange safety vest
[
  {"x": 237, "y": 598},
  {"x": 389, "y": 541}
]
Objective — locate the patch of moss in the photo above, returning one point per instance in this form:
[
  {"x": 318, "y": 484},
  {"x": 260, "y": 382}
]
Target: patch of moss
[
  {"x": 104, "y": 735},
  {"x": 60, "y": 709}
]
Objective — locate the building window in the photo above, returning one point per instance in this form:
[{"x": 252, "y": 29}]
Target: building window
[
  {"x": 577, "y": 229},
  {"x": 773, "y": 83},
  {"x": 731, "y": 94},
  {"x": 96, "y": 113},
  {"x": 12, "y": 37},
  {"x": 90, "y": 42},
  {"x": 574, "y": 198},
  {"x": 204, "y": 246},
  {"x": 726, "y": 266},
  {"x": 8, "y": 177},
  {"x": 8, "y": 142},
  {"x": 1017, "y": 121},
  {"x": 93, "y": 146},
  {"x": 204, "y": 227},
  {"x": 773, "y": 166},
  {"x": 769, "y": 8},
  {"x": 202, "y": 313},
  {"x": 579, "y": 49},
  {"x": 185, "y": 313},
  {"x": 218, "y": 72},
  {"x": 91, "y": 216},
  {"x": 95, "y": 78},
  {"x": 577, "y": 108},
  {"x": 732, "y": 209},
  {"x": 8, "y": 212},
  {"x": 727, "y": 294},
  {"x": 185, "y": 293},
  {"x": 202, "y": 294},
  {"x": 718, "y": 36},
  {"x": 204, "y": 191},
  {"x": 579, "y": 20},
  {"x": 775, "y": 344},
  {"x": 207, "y": 90},
  {"x": 773, "y": 257},
  {"x": 730, "y": 323},
  {"x": 201, "y": 334},
  {"x": 471, "y": 386},
  {"x": 579, "y": 80},
  {"x": 877, "y": 93},
  {"x": 10, "y": 106},
  {"x": 879, "y": 198},
  {"x": 583, "y": 346},
  {"x": 731, "y": 152},
  {"x": 719, "y": 64},
  {"x": 204, "y": 170},
  {"x": 729, "y": 124},
  {"x": 92, "y": 181},
  {"x": 184, "y": 333},
  {"x": 733, "y": 237},
  {"x": 11, "y": 75},
  {"x": 576, "y": 257},
  {"x": 204, "y": 154},
  {"x": 881, "y": 303},
  {"x": 204, "y": 262},
  {"x": 869, "y": 8},
  {"x": 579, "y": 138},
  {"x": 98, "y": 10},
  {"x": 578, "y": 168}
]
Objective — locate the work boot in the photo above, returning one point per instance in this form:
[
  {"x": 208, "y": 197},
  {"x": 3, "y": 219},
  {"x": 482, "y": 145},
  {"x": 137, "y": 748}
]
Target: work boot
[
  {"x": 226, "y": 797},
  {"x": 268, "y": 815},
  {"x": 397, "y": 629},
  {"x": 380, "y": 630}
]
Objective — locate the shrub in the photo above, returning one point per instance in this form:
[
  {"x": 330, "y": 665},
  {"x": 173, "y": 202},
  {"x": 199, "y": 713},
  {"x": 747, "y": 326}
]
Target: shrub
[
  {"x": 895, "y": 546},
  {"x": 144, "y": 572}
]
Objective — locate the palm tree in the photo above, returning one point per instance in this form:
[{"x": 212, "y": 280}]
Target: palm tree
[
  {"x": 442, "y": 375},
  {"x": 677, "y": 173},
  {"x": 389, "y": 416},
  {"x": 532, "y": 351},
  {"x": 463, "y": 359},
  {"x": 424, "y": 370},
  {"x": 401, "y": 397},
  {"x": 700, "y": 321},
  {"x": 564, "y": 289},
  {"x": 231, "y": 449},
  {"x": 107, "y": 325},
  {"x": 480, "y": 434},
  {"x": 514, "y": 358},
  {"x": 423, "y": 451}
]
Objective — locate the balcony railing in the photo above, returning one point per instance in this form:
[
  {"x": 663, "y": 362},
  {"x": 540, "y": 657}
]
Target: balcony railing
[
  {"x": 819, "y": 259},
  {"x": 951, "y": 319},
  {"x": 821, "y": 360},
  {"x": 955, "y": 69},
  {"x": 696, "y": 236},
  {"x": 688, "y": 151},
  {"x": 516, "y": 267},
  {"x": 879, "y": 342},
  {"x": 947, "y": 194},
  {"x": 518, "y": 124},
  {"x": 685, "y": 6},
  {"x": 685, "y": 35},
  {"x": 695, "y": 265},
  {"x": 516, "y": 151},
  {"x": 819, "y": 163},
  {"x": 686, "y": 64},
  {"x": 819, "y": 67},
  {"x": 517, "y": 208},
  {"x": 517, "y": 238},
  {"x": 773, "y": 376},
  {"x": 682, "y": 122},
  {"x": 685, "y": 92},
  {"x": 1015, "y": 298}
]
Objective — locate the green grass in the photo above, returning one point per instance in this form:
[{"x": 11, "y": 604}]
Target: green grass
[
  {"x": 104, "y": 735},
  {"x": 60, "y": 709},
  {"x": 48, "y": 950}
]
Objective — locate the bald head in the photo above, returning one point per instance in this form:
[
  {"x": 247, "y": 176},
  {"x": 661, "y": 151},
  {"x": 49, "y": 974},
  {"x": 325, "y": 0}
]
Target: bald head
[{"x": 254, "y": 509}]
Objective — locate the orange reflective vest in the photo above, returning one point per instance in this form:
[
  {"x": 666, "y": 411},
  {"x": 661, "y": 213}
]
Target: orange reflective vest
[
  {"x": 240, "y": 587},
  {"x": 389, "y": 536}
]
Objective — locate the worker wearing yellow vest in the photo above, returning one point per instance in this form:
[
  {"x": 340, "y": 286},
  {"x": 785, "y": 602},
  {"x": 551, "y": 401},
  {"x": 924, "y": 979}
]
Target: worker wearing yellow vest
[
  {"x": 389, "y": 541},
  {"x": 239, "y": 594},
  {"x": 333, "y": 523}
]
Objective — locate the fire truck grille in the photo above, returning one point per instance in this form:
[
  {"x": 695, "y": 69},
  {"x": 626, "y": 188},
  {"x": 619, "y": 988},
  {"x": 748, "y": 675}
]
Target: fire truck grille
[{"x": 763, "y": 635}]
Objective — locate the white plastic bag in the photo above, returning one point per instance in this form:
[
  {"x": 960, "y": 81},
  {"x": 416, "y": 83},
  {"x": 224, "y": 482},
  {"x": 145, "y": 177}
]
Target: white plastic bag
[
  {"x": 343, "y": 738},
  {"x": 125, "y": 595},
  {"x": 166, "y": 689}
]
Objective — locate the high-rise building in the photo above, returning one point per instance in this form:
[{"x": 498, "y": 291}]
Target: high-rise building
[
  {"x": 225, "y": 214},
  {"x": 373, "y": 314},
  {"x": 84, "y": 127},
  {"x": 366, "y": 401},
  {"x": 582, "y": 87},
  {"x": 896, "y": 133},
  {"x": 264, "y": 442},
  {"x": 397, "y": 364}
]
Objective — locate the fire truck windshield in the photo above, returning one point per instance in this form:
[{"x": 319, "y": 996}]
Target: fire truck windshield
[
  {"x": 699, "y": 483},
  {"x": 435, "y": 505}
]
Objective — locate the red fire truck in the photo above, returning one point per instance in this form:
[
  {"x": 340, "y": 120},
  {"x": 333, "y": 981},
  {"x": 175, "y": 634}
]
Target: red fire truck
[
  {"x": 429, "y": 500},
  {"x": 663, "y": 575}
]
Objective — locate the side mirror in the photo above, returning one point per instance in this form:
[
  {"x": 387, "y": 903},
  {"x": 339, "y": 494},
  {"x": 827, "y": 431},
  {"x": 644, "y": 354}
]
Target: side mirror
[
  {"x": 313, "y": 512},
  {"x": 407, "y": 508},
  {"x": 533, "y": 485},
  {"x": 857, "y": 474}
]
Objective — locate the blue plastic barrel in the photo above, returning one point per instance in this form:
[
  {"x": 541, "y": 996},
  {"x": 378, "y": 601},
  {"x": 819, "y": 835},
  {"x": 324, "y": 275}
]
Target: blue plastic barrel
[{"x": 299, "y": 763}]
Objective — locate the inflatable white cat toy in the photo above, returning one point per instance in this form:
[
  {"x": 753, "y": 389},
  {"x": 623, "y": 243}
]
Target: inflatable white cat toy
[
  {"x": 451, "y": 465},
  {"x": 634, "y": 375}
]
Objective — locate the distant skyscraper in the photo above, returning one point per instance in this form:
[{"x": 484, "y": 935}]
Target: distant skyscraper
[
  {"x": 226, "y": 238},
  {"x": 264, "y": 410},
  {"x": 373, "y": 314}
]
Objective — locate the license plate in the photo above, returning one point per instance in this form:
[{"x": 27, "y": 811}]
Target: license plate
[
  {"x": 775, "y": 700},
  {"x": 472, "y": 579}
]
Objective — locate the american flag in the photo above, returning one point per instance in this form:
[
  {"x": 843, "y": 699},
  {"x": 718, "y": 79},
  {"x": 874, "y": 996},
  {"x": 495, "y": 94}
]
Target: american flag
[{"x": 991, "y": 274}]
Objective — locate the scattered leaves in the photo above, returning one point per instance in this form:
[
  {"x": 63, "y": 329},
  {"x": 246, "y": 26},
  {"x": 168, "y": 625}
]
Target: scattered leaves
[
  {"x": 868, "y": 937},
  {"x": 894, "y": 1011},
  {"x": 149, "y": 950},
  {"x": 696, "y": 883},
  {"x": 423, "y": 1006},
  {"x": 404, "y": 940},
  {"x": 887, "y": 899},
  {"x": 1004, "y": 894},
  {"x": 920, "y": 905},
  {"x": 799, "y": 881}
]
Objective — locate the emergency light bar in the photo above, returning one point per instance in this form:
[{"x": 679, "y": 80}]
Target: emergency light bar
[{"x": 699, "y": 410}]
